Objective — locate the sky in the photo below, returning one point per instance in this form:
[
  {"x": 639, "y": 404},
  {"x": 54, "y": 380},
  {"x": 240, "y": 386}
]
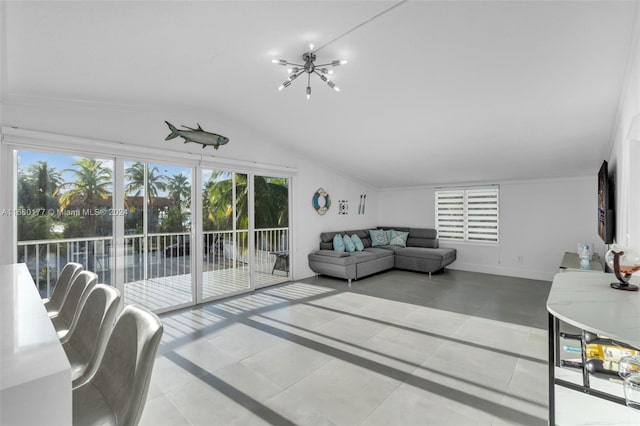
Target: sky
[{"x": 62, "y": 162}]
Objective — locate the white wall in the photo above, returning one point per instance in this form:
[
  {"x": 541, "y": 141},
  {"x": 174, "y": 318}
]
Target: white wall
[
  {"x": 308, "y": 224},
  {"x": 539, "y": 221},
  {"x": 145, "y": 127}
]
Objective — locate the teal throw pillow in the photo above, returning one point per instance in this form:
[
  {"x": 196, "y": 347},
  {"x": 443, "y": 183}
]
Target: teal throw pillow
[
  {"x": 348, "y": 244},
  {"x": 357, "y": 242},
  {"x": 338, "y": 243},
  {"x": 378, "y": 237},
  {"x": 398, "y": 238}
]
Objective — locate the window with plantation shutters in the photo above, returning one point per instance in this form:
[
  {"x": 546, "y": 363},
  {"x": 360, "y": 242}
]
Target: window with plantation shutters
[{"x": 467, "y": 214}]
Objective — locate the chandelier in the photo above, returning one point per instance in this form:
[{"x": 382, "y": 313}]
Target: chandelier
[{"x": 309, "y": 67}]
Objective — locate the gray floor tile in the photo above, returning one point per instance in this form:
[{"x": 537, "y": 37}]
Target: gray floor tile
[
  {"x": 409, "y": 406},
  {"x": 397, "y": 348},
  {"x": 286, "y": 363},
  {"x": 160, "y": 411},
  {"x": 243, "y": 341},
  {"x": 342, "y": 392}
]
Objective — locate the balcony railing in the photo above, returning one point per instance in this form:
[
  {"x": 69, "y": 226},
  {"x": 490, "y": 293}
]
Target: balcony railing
[
  {"x": 46, "y": 258},
  {"x": 153, "y": 256}
]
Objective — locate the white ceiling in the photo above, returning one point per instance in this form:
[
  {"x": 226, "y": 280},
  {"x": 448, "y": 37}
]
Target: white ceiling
[{"x": 434, "y": 91}]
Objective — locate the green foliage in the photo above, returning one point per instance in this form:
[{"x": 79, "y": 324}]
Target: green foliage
[
  {"x": 271, "y": 202},
  {"x": 34, "y": 227},
  {"x": 91, "y": 184},
  {"x": 38, "y": 188},
  {"x": 74, "y": 227}
]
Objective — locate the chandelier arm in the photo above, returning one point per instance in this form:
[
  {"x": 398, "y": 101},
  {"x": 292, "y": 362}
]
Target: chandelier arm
[
  {"x": 296, "y": 75},
  {"x": 324, "y": 65}
]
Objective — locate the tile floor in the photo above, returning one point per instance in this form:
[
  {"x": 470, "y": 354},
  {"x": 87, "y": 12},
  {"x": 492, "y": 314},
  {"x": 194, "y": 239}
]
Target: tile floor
[{"x": 397, "y": 348}]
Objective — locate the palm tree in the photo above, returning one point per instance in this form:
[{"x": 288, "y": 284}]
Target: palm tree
[
  {"x": 179, "y": 192},
  {"x": 92, "y": 183},
  {"x": 136, "y": 183},
  {"x": 271, "y": 201},
  {"x": 47, "y": 181},
  {"x": 37, "y": 189},
  {"x": 218, "y": 201}
]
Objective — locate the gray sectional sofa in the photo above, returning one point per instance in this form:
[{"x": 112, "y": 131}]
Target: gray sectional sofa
[{"x": 421, "y": 254}]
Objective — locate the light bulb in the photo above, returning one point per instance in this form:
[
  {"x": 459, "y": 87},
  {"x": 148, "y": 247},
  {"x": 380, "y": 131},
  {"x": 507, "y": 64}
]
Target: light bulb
[
  {"x": 308, "y": 92},
  {"x": 333, "y": 85},
  {"x": 279, "y": 61},
  {"x": 310, "y": 47},
  {"x": 287, "y": 83},
  {"x": 343, "y": 62}
]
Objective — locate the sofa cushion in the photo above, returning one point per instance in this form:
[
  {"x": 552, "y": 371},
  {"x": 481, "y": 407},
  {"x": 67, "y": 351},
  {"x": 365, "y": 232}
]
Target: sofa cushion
[
  {"x": 326, "y": 246},
  {"x": 397, "y": 228},
  {"x": 327, "y": 237},
  {"x": 338, "y": 243},
  {"x": 378, "y": 237},
  {"x": 398, "y": 238},
  {"x": 422, "y": 242},
  {"x": 349, "y": 247},
  {"x": 422, "y": 233},
  {"x": 332, "y": 253},
  {"x": 334, "y": 257},
  {"x": 435, "y": 254},
  {"x": 363, "y": 234},
  {"x": 379, "y": 252},
  {"x": 357, "y": 242}
]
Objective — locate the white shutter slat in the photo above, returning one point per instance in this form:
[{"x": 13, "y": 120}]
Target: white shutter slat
[{"x": 471, "y": 214}]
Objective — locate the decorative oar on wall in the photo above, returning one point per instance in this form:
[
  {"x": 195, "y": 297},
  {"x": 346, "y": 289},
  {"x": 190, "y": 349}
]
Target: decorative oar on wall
[{"x": 198, "y": 136}]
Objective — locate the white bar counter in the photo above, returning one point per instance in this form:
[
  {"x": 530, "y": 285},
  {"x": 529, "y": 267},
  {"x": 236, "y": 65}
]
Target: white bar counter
[
  {"x": 588, "y": 302},
  {"x": 35, "y": 376}
]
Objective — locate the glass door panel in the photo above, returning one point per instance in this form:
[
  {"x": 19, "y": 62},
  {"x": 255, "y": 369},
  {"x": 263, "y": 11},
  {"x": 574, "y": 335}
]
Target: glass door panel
[
  {"x": 225, "y": 224},
  {"x": 157, "y": 264},
  {"x": 64, "y": 211},
  {"x": 271, "y": 234}
]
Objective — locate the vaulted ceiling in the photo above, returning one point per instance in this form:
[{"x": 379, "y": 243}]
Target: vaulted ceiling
[{"x": 434, "y": 91}]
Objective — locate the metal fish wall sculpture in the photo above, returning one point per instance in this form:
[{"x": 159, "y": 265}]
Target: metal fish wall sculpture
[{"x": 197, "y": 136}]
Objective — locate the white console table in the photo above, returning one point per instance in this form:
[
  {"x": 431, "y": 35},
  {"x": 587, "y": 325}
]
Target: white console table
[
  {"x": 586, "y": 301},
  {"x": 35, "y": 375},
  {"x": 571, "y": 262}
]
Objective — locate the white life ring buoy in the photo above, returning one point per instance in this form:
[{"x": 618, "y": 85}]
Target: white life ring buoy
[{"x": 321, "y": 201}]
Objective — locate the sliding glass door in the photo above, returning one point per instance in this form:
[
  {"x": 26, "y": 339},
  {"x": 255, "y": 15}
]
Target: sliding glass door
[
  {"x": 133, "y": 222},
  {"x": 157, "y": 252},
  {"x": 241, "y": 254},
  {"x": 271, "y": 219},
  {"x": 225, "y": 224},
  {"x": 63, "y": 214}
]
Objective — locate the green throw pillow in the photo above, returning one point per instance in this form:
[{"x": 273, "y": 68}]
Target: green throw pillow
[
  {"x": 338, "y": 243},
  {"x": 378, "y": 237},
  {"x": 357, "y": 242},
  {"x": 398, "y": 238},
  {"x": 348, "y": 244}
]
